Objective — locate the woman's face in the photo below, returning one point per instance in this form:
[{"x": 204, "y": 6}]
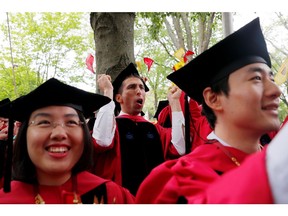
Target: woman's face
[{"x": 55, "y": 142}]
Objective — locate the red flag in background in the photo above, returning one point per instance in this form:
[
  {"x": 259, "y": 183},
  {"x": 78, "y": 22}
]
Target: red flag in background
[
  {"x": 148, "y": 62},
  {"x": 188, "y": 53},
  {"x": 89, "y": 63}
]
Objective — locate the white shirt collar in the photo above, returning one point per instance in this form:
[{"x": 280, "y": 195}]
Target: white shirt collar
[
  {"x": 212, "y": 136},
  {"x": 123, "y": 113}
]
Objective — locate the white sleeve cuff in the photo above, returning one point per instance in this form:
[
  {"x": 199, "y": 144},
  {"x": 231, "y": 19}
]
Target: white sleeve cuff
[
  {"x": 105, "y": 125},
  {"x": 177, "y": 132}
]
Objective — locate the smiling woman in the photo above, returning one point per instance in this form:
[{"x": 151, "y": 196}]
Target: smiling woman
[{"x": 53, "y": 150}]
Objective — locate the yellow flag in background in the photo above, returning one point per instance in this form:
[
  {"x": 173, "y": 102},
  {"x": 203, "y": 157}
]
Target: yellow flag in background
[
  {"x": 138, "y": 63},
  {"x": 179, "y": 54},
  {"x": 178, "y": 65},
  {"x": 282, "y": 74}
]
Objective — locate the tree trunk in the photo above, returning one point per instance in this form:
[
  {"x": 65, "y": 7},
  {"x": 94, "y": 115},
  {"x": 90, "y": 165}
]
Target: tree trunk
[
  {"x": 114, "y": 41},
  {"x": 205, "y": 31},
  {"x": 189, "y": 38},
  {"x": 227, "y": 23}
]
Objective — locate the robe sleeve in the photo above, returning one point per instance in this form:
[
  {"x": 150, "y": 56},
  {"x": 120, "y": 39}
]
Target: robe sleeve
[
  {"x": 169, "y": 150},
  {"x": 107, "y": 160},
  {"x": 178, "y": 124},
  {"x": 173, "y": 180},
  {"x": 276, "y": 163}
]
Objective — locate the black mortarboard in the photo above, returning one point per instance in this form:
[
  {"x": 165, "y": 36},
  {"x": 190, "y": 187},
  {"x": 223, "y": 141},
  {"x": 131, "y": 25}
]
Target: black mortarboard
[
  {"x": 130, "y": 70},
  {"x": 4, "y": 101},
  {"x": 4, "y": 108},
  {"x": 243, "y": 47},
  {"x": 52, "y": 92},
  {"x": 161, "y": 105}
]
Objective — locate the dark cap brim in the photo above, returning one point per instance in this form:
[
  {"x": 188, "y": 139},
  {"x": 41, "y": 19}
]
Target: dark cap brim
[{"x": 54, "y": 92}]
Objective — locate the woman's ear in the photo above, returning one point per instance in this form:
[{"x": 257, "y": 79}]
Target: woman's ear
[{"x": 212, "y": 99}]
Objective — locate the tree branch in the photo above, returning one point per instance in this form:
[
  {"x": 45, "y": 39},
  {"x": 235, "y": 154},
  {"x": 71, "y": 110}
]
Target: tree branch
[
  {"x": 171, "y": 34},
  {"x": 189, "y": 39},
  {"x": 179, "y": 31}
]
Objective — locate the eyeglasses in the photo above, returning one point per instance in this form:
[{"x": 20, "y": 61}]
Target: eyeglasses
[{"x": 46, "y": 124}]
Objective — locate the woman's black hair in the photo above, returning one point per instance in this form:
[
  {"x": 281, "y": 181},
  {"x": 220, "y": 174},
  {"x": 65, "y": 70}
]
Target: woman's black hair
[
  {"x": 221, "y": 86},
  {"x": 23, "y": 168}
]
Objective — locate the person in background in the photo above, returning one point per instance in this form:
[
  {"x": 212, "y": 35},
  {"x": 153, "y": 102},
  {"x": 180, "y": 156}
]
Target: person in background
[
  {"x": 129, "y": 146},
  {"x": 3, "y": 121},
  {"x": 267, "y": 137},
  {"x": 163, "y": 114},
  {"x": 199, "y": 127},
  {"x": 3, "y": 128},
  {"x": 3, "y": 138},
  {"x": 234, "y": 83},
  {"x": 53, "y": 160}
]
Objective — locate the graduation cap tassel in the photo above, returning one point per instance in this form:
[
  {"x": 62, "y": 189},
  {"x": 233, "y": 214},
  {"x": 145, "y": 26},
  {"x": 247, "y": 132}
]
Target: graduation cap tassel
[
  {"x": 9, "y": 155},
  {"x": 187, "y": 125}
]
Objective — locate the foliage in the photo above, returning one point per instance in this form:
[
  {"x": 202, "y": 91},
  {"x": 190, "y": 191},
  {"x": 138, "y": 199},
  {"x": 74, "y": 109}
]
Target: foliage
[
  {"x": 44, "y": 45},
  {"x": 48, "y": 45},
  {"x": 283, "y": 111},
  {"x": 159, "y": 35}
]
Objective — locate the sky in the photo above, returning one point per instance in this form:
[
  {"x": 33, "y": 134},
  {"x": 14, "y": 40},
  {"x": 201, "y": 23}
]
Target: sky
[
  {"x": 261, "y": 6},
  {"x": 140, "y": 6}
]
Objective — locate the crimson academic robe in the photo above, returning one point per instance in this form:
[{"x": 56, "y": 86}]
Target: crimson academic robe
[
  {"x": 138, "y": 146},
  {"x": 199, "y": 126},
  {"x": 2, "y": 160},
  {"x": 88, "y": 186},
  {"x": 188, "y": 178},
  {"x": 164, "y": 117},
  {"x": 1, "y": 182},
  {"x": 248, "y": 184}
]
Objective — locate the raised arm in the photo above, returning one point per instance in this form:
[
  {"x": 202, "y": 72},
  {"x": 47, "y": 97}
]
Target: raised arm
[
  {"x": 105, "y": 124},
  {"x": 177, "y": 120}
]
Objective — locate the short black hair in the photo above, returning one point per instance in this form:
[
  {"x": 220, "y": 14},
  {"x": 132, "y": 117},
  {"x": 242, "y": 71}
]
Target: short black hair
[{"x": 221, "y": 86}]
